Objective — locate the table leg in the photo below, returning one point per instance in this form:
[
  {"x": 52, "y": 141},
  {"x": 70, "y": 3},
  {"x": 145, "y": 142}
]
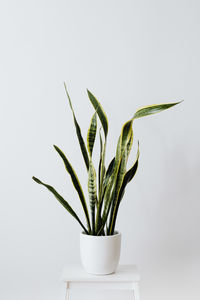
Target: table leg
[
  {"x": 136, "y": 291},
  {"x": 67, "y": 291}
]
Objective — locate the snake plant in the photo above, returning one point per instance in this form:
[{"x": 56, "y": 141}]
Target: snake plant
[{"x": 107, "y": 186}]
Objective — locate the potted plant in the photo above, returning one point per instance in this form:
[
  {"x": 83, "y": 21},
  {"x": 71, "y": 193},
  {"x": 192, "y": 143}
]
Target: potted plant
[{"x": 100, "y": 242}]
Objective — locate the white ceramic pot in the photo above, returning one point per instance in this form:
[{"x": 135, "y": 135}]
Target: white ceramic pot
[{"x": 100, "y": 254}]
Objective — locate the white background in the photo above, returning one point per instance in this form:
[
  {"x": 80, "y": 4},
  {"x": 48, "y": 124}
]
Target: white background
[{"x": 129, "y": 54}]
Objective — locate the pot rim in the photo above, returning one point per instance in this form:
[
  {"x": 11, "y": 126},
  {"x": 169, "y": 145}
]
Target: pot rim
[{"x": 117, "y": 233}]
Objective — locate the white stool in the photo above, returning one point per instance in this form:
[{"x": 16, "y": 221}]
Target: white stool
[{"x": 125, "y": 278}]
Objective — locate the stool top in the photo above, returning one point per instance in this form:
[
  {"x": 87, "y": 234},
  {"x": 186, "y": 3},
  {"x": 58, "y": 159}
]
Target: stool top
[{"x": 123, "y": 273}]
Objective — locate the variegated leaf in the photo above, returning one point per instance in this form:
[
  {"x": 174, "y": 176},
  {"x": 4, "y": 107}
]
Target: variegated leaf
[
  {"x": 92, "y": 134},
  {"x": 92, "y": 191},
  {"x": 76, "y": 183},
  {"x": 78, "y": 133},
  {"x": 98, "y": 108},
  {"x": 153, "y": 109},
  {"x": 127, "y": 177},
  {"x": 62, "y": 201}
]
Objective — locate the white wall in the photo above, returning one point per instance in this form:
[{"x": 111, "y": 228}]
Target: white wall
[{"x": 129, "y": 54}]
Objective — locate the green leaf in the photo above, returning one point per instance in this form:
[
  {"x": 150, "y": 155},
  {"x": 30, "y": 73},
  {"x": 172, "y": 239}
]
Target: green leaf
[
  {"x": 127, "y": 177},
  {"x": 130, "y": 143},
  {"x": 75, "y": 182},
  {"x": 117, "y": 165},
  {"x": 101, "y": 173},
  {"x": 102, "y": 170},
  {"x": 120, "y": 174},
  {"x": 101, "y": 177},
  {"x": 100, "y": 160},
  {"x": 78, "y": 133},
  {"x": 109, "y": 172},
  {"x": 98, "y": 108},
  {"x": 108, "y": 199},
  {"x": 62, "y": 201},
  {"x": 92, "y": 191},
  {"x": 126, "y": 134},
  {"x": 109, "y": 194},
  {"x": 92, "y": 134},
  {"x": 107, "y": 205},
  {"x": 153, "y": 109},
  {"x": 132, "y": 171}
]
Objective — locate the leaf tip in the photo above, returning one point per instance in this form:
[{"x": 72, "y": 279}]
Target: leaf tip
[
  {"x": 36, "y": 179},
  {"x": 89, "y": 93}
]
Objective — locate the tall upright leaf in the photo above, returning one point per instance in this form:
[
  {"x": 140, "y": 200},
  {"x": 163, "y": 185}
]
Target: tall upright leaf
[
  {"x": 100, "y": 160},
  {"x": 130, "y": 143},
  {"x": 101, "y": 176},
  {"x": 104, "y": 121},
  {"x": 62, "y": 201},
  {"x": 92, "y": 134},
  {"x": 119, "y": 179},
  {"x": 76, "y": 183},
  {"x": 92, "y": 191},
  {"x": 126, "y": 135},
  {"x": 130, "y": 173},
  {"x": 109, "y": 172},
  {"x": 78, "y": 133},
  {"x": 127, "y": 177},
  {"x": 124, "y": 139},
  {"x": 109, "y": 189},
  {"x": 99, "y": 109}
]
